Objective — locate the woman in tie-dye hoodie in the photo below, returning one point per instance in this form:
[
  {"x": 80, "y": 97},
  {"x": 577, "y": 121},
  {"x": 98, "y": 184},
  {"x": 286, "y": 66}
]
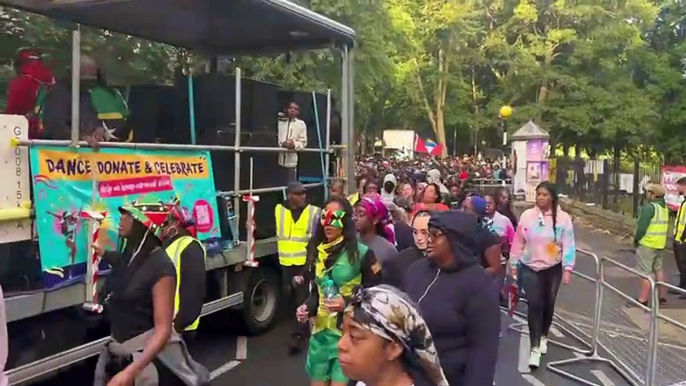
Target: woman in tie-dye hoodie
[{"x": 543, "y": 253}]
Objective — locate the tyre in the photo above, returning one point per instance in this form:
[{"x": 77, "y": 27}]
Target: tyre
[{"x": 261, "y": 299}]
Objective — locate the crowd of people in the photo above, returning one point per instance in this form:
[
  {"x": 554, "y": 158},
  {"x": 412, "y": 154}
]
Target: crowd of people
[{"x": 406, "y": 275}]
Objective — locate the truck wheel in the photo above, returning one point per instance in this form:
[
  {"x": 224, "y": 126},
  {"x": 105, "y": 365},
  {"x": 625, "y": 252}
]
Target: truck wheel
[{"x": 261, "y": 300}]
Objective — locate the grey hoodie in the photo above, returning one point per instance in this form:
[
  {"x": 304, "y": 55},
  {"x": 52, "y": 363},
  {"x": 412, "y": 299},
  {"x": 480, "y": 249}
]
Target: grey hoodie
[{"x": 433, "y": 176}]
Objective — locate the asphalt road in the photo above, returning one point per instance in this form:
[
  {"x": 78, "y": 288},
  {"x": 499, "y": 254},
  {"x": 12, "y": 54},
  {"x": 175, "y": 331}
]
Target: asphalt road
[{"x": 263, "y": 360}]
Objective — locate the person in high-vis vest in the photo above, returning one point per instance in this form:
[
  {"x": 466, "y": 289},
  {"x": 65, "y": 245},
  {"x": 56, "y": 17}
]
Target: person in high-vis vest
[
  {"x": 188, "y": 255},
  {"x": 355, "y": 197},
  {"x": 651, "y": 238},
  {"x": 679, "y": 245},
  {"x": 295, "y": 223}
]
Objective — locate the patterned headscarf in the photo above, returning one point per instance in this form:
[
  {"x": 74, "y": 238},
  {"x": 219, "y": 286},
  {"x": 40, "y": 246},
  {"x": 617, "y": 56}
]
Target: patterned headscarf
[{"x": 390, "y": 314}]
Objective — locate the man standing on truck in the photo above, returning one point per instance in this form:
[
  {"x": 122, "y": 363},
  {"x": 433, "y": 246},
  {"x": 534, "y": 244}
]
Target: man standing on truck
[
  {"x": 293, "y": 136},
  {"x": 188, "y": 255},
  {"x": 295, "y": 223}
]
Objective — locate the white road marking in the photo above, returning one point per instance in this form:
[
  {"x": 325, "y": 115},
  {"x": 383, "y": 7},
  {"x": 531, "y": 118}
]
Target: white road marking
[
  {"x": 524, "y": 349},
  {"x": 223, "y": 369},
  {"x": 532, "y": 380},
  {"x": 242, "y": 348},
  {"x": 604, "y": 379},
  {"x": 556, "y": 332},
  {"x": 579, "y": 355}
]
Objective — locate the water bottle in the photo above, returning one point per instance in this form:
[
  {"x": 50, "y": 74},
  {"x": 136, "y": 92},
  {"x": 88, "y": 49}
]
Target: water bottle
[{"x": 329, "y": 289}]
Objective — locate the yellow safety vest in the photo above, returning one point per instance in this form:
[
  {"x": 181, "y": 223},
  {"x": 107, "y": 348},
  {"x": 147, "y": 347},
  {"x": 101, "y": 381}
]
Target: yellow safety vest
[
  {"x": 293, "y": 236},
  {"x": 680, "y": 222},
  {"x": 656, "y": 234},
  {"x": 174, "y": 250},
  {"x": 354, "y": 198}
]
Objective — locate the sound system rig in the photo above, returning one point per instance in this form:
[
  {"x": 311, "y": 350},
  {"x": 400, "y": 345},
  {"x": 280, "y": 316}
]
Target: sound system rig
[{"x": 161, "y": 113}]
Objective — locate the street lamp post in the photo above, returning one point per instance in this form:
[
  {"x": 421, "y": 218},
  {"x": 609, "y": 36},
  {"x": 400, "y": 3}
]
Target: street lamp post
[{"x": 504, "y": 114}]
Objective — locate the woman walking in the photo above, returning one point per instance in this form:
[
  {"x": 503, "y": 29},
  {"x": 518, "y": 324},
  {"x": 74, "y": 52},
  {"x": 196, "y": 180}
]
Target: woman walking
[
  {"x": 457, "y": 299},
  {"x": 144, "y": 348},
  {"x": 373, "y": 224},
  {"x": 543, "y": 254},
  {"x": 339, "y": 264},
  {"x": 386, "y": 342}
]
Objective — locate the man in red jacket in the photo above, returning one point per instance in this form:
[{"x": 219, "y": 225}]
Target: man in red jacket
[{"x": 32, "y": 76}]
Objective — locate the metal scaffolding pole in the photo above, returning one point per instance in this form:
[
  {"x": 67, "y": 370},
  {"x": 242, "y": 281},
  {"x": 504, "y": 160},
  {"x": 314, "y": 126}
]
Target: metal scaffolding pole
[
  {"x": 237, "y": 155},
  {"x": 345, "y": 121},
  {"x": 327, "y": 157},
  {"x": 350, "y": 172},
  {"x": 75, "y": 85}
]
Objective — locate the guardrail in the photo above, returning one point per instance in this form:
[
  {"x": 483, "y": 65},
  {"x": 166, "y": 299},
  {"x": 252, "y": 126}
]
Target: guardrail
[{"x": 646, "y": 345}]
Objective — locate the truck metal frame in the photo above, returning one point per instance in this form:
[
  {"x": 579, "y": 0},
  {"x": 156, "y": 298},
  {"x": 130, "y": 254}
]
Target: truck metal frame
[{"x": 282, "y": 26}]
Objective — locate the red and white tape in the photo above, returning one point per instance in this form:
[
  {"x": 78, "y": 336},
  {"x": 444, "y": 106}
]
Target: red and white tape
[
  {"x": 251, "y": 200},
  {"x": 98, "y": 217}
]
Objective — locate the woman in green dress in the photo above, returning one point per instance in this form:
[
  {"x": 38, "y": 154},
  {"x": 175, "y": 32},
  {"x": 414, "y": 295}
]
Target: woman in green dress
[{"x": 337, "y": 266}]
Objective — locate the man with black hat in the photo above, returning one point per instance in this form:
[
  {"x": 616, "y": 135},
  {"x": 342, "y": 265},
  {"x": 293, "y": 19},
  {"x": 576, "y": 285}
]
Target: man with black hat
[{"x": 295, "y": 223}]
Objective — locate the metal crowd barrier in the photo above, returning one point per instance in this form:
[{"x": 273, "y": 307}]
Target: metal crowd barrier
[
  {"x": 489, "y": 186},
  {"x": 573, "y": 321},
  {"x": 670, "y": 342},
  {"x": 645, "y": 345}
]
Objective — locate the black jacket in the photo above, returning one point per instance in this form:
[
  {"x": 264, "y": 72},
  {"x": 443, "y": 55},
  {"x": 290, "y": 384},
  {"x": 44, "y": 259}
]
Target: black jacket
[
  {"x": 403, "y": 236},
  {"x": 459, "y": 303},
  {"x": 394, "y": 269}
]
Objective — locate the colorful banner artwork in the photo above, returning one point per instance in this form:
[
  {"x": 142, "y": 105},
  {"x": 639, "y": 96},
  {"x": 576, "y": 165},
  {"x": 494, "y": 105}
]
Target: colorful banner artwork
[
  {"x": 670, "y": 175},
  {"x": 69, "y": 181}
]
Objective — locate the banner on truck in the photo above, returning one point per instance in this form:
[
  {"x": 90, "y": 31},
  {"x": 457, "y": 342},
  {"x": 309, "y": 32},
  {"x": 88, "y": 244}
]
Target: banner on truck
[
  {"x": 670, "y": 175},
  {"x": 68, "y": 181}
]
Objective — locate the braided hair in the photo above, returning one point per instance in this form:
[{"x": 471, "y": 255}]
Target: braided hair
[{"x": 552, "y": 190}]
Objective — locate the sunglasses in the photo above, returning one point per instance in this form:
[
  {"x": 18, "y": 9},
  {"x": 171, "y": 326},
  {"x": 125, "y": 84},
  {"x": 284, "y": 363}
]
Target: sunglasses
[
  {"x": 333, "y": 218},
  {"x": 435, "y": 232}
]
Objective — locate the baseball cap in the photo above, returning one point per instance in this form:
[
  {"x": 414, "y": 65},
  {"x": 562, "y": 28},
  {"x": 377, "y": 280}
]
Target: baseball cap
[
  {"x": 656, "y": 189},
  {"x": 295, "y": 188}
]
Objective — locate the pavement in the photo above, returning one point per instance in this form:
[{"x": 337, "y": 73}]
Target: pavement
[{"x": 262, "y": 360}]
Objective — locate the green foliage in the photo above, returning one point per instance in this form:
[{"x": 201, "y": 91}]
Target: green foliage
[{"x": 604, "y": 75}]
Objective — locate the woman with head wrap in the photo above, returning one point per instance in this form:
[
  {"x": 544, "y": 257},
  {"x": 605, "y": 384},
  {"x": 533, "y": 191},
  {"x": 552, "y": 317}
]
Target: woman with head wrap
[
  {"x": 386, "y": 342},
  {"x": 374, "y": 226},
  {"x": 338, "y": 265},
  {"x": 451, "y": 278}
]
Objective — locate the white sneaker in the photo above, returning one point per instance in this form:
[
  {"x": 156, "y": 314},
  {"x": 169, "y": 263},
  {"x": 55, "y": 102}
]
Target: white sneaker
[
  {"x": 543, "y": 346},
  {"x": 535, "y": 358}
]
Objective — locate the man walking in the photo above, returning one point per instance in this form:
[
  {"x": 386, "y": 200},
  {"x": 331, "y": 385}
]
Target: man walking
[
  {"x": 295, "y": 223},
  {"x": 651, "y": 238},
  {"x": 188, "y": 255}
]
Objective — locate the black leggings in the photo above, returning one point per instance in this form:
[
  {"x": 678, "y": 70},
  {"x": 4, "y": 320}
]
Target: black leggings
[{"x": 541, "y": 291}]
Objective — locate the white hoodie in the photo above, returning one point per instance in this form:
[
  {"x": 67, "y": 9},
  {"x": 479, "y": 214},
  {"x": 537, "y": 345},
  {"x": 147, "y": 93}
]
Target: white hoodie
[{"x": 388, "y": 198}]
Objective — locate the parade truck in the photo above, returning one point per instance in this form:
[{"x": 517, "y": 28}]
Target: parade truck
[{"x": 58, "y": 197}]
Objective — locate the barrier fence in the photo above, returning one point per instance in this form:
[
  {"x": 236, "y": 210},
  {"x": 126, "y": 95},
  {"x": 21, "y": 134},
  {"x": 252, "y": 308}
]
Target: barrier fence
[{"x": 644, "y": 345}]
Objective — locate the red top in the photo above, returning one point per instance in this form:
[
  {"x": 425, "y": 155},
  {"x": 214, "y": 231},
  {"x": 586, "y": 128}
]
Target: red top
[
  {"x": 439, "y": 207},
  {"x": 23, "y": 90}
]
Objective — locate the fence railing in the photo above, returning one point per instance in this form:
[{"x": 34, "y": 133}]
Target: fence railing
[{"x": 646, "y": 345}]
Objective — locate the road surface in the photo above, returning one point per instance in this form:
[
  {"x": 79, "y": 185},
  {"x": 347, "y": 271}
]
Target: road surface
[{"x": 263, "y": 360}]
